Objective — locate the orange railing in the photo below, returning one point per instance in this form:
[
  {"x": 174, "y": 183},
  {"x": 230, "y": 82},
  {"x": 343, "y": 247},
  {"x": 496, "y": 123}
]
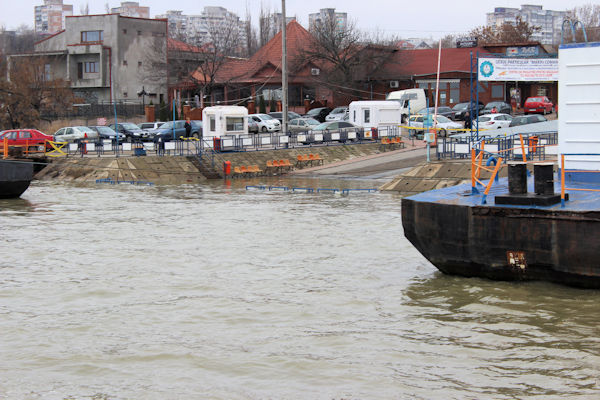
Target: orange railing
[
  {"x": 477, "y": 163},
  {"x": 33, "y": 147},
  {"x": 563, "y": 188}
]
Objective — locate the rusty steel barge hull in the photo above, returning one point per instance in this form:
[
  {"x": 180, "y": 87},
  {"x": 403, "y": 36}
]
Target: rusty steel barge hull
[{"x": 462, "y": 237}]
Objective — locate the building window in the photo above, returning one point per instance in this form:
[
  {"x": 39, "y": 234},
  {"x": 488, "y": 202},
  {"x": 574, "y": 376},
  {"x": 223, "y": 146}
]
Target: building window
[
  {"x": 139, "y": 33},
  {"x": 212, "y": 124},
  {"x": 124, "y": 31},
  {"x": 124, "y": 62},
  {"x": 47, "y": 76},
  {"x": 92, "y": 36},
  {"x": 498, "y": 91},
  {"x": 124, "y": 94},
  {"x": 139, "y": 64},
  {"x": 90, "y": 67},
  {"x": 367, "y": 116}
]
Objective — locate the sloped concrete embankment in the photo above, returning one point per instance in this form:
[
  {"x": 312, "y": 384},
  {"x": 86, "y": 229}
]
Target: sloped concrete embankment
[
  {"x": 180, "y": 169},
  {"x": 433, "y": 175}
]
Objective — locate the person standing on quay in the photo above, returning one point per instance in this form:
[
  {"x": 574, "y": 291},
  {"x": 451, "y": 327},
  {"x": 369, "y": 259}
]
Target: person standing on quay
[{"x": 188, "y": 127}]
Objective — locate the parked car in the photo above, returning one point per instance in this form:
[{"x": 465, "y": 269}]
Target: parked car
[
  {"x": 540, "y": 104},
  {"x": 527, "y": 119},
  {"x": 265, "y": 122},
  {"x": 443, "y": 110},
  {"x": 130, "y": 130},
  {"x": 149, "y": 126},
  {"x": 33, "y": 138},
  {"x": 444, "y": 125},
  {"x": 252, "y": 126},
  {"x": 500, "y": 106},
  {"x": 279, "y": 115},
  {"x": 175, "y": 128},
  {"x": 494, "y": 121},
  {"x": 461, "y": 109},
  {"x": 75, "y": 133},
  {"x": 302, "y": 124},
  {"x": 337, "y": 114},
  {"x": 105, "y": 132},
  {"x": 332, "y": 127},
  {"x": 319, "y": 113}
]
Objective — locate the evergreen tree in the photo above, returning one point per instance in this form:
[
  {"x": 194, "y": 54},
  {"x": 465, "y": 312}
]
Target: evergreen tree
[{"x": 163, "y": 112}]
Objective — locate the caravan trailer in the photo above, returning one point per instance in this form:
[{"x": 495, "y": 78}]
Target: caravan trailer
[
  {"x": 224, "y": 125},
  {"x": 377, "y": 117}
]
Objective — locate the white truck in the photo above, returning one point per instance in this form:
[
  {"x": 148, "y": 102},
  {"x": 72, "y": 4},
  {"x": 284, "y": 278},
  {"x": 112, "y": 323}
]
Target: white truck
[
  {"x": 377, "y": 117},
  {"x": 411, "y": 100}
]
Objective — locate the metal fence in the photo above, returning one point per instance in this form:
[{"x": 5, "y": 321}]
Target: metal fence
[
  {"x": 539, "y": 145},
  {"x": 230, "y": 143},
  {"x": 124, "y": 108}
]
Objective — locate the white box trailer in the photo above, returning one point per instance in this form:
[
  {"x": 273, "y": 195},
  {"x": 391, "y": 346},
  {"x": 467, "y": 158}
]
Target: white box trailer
[
  {"x": 225, "y": 123},
  {"x": 579, "y": 105},
  {"x": 383, "y": 115}
]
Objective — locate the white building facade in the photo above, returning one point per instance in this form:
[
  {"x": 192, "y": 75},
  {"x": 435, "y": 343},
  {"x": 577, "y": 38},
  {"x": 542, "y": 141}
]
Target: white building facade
[
  {"x": 50, "y": 17},
  {"x": 328, "y": 14},
  {"x": 549, "y": 21}
]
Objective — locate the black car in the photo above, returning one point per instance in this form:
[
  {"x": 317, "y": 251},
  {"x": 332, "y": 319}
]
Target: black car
[
  {"x": 104, "y": 132},
  {"x": 461, "y": 109},
  {"x": 500, "y": 106},
  {"x": 526, "y": 120},
  {"x": 318, "y": 113},
  {"x": 279, "y": 115},
  {"x": 442, "y": 110},
  {"x": 131, "y": 131}
]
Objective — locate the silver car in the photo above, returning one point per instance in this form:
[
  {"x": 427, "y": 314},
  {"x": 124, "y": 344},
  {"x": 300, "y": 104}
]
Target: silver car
[
  {"x": 302, "y": 124},
  {"x": 75, "y": 133}
]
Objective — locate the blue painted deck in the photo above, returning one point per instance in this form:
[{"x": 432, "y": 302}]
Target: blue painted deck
[{"x": 461, "y": 195}]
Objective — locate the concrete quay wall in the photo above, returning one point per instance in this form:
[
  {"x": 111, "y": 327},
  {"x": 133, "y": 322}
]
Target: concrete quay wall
[{"x": 186, "y": 169}]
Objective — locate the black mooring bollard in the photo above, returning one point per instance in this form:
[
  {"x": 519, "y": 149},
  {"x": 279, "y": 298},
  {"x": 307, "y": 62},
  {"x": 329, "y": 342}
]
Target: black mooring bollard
[
  {"x": 517, "y": 178},
  {"x": 543, "y": 179}
]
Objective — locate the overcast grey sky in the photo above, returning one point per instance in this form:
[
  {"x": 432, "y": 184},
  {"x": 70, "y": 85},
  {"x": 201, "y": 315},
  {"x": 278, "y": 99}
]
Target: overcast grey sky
[{"x": 424, "y": 18}]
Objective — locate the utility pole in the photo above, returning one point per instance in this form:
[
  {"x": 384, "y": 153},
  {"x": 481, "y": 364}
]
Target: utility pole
[{"x": 284, "y": 80}]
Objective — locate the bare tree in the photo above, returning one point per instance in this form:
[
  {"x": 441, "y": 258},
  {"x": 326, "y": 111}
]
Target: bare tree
[
  {"x": 251, "y": 39},
  {"x": 589, "y": 16},
  {"x": 449, "y": 41},
  {"x": 519, "y": 32},
  {"x": 266, "y": 28},
  {"x": 30, "y": 92},
  {"x": 350, "y": 59}
]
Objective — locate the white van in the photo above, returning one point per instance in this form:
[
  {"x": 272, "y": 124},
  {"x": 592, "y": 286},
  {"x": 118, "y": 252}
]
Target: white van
[
  {"x": 381, "y": 114},
  {"x": 411, "y": 100}
]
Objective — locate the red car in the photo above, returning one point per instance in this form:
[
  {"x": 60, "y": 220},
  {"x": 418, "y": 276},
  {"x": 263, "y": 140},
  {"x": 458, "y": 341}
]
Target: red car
[
  {"x": 540, "y": 104},
  {"x": 26, "y": 137}
]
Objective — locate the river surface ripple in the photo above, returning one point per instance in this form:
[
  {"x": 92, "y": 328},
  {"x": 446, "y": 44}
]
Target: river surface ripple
[{"x": 218, "y": 292}]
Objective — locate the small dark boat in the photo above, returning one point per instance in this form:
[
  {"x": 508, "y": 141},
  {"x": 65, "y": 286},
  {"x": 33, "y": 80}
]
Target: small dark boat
[{"x": 15, "y": 176}]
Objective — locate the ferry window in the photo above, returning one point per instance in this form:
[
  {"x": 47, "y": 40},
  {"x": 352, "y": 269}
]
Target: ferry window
[
  {"x": 92, "y": 36},
  {"x": 212, "y": 127},
  {"x": 234, "y": 124},
  {"x": 367, "y": 116}
]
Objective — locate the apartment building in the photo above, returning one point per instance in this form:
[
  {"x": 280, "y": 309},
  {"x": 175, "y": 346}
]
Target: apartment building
[
  {"x": 100, "y": 54},
  {"x": 50, "y": 17},
  {"x": 131, "y": 9},
  {"x": 549, "y": 21},
  {"x": 328, "y": 14}
]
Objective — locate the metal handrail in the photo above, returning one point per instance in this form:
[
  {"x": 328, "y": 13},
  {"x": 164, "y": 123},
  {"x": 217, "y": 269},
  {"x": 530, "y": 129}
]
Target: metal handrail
[{"x": 563, "y": 189}]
